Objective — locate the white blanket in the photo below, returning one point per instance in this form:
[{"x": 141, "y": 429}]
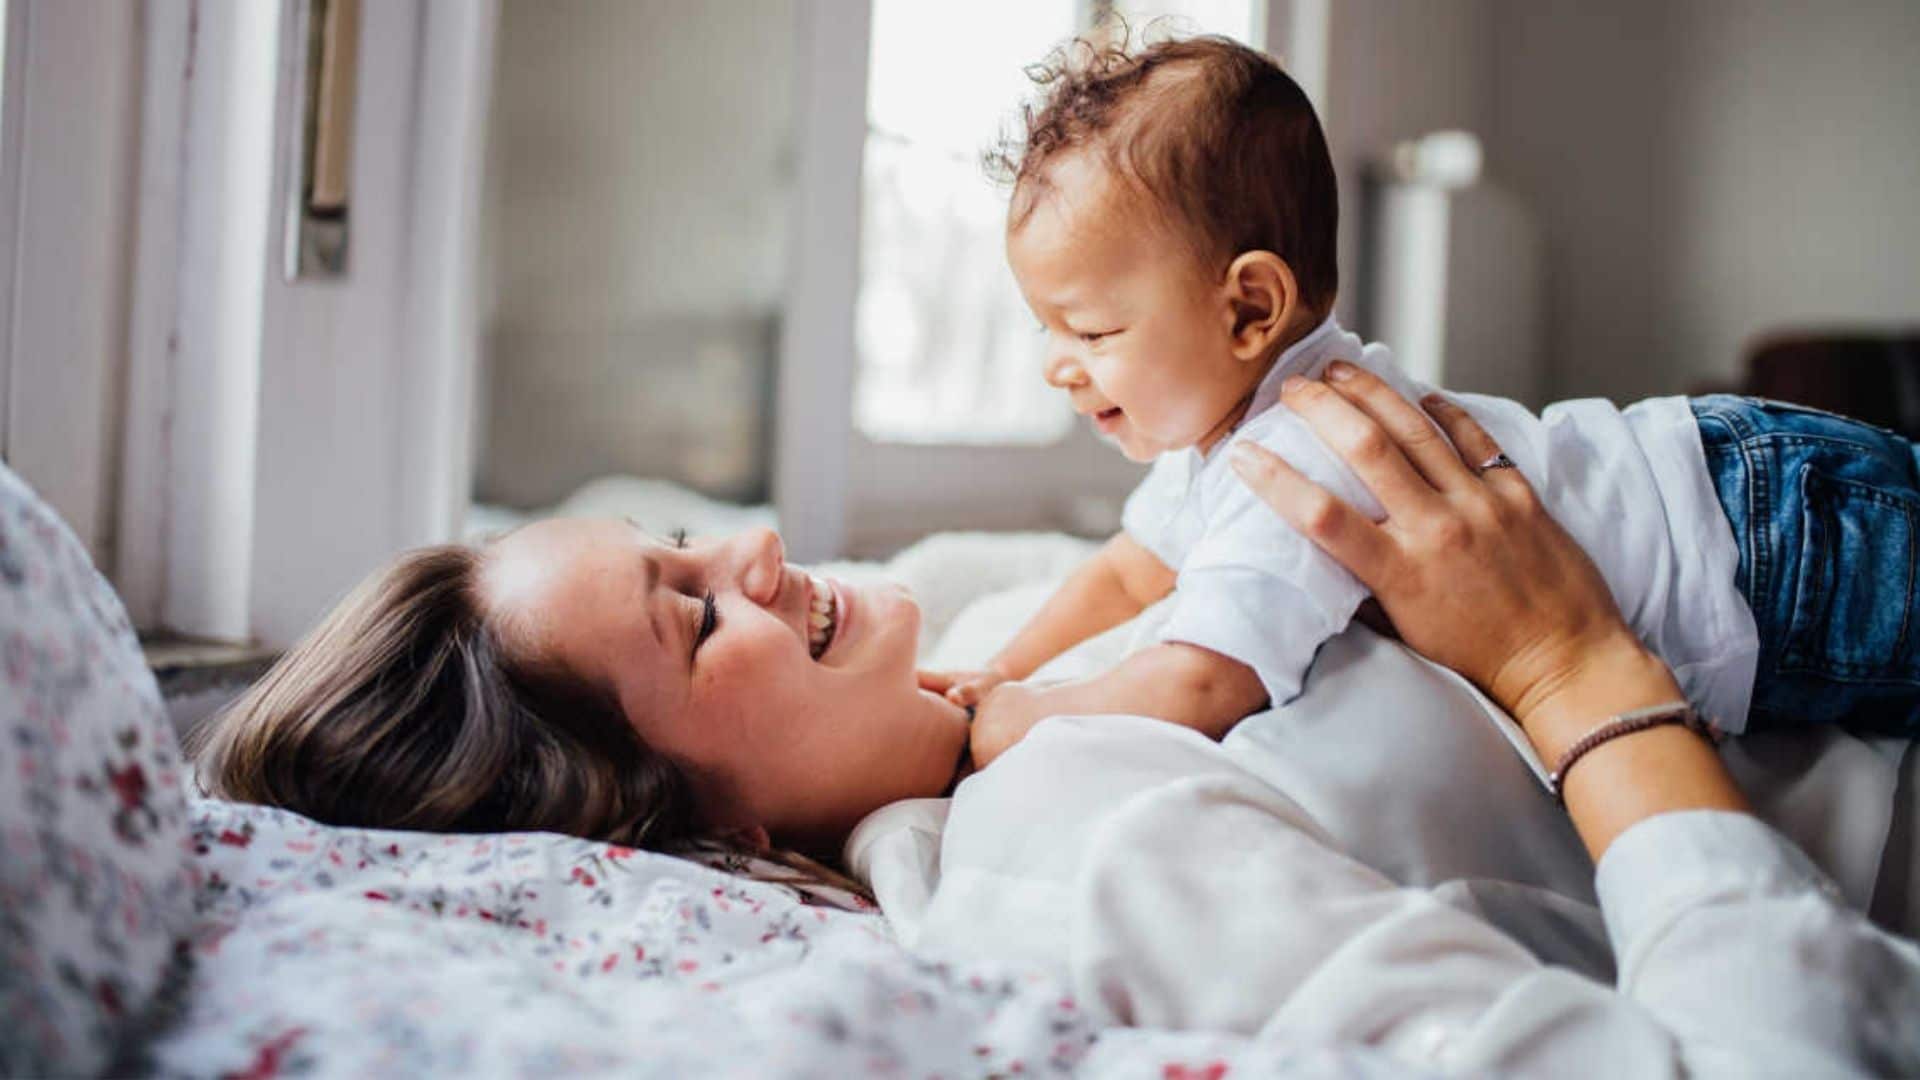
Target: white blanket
[{"x": 1169, "y": 887}]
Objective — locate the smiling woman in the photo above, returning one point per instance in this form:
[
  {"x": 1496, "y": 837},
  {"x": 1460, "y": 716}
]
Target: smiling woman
[
  {"x": 581, "y": 676},
  {"x": 709, "y": 651}
]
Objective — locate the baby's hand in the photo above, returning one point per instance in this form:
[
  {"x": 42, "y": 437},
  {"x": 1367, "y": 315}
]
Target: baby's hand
[
  {"x": 1003, "y": 717},
  {"x": 963, "y": 688}
]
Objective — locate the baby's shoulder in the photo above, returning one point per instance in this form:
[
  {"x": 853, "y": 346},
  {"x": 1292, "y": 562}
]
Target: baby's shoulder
[{"x": 1281, "y": 430}]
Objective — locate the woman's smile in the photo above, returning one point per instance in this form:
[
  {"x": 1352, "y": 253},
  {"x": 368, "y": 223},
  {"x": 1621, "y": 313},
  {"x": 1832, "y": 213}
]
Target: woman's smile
[{"x": 823, "y": 616}]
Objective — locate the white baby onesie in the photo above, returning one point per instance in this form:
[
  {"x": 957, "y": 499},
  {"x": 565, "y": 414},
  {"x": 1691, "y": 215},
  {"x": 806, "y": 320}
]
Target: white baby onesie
[{"x": 1632, "y": 487}]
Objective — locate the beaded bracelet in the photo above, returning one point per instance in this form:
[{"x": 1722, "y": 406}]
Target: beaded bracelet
[{"x": 1626, "y": 723}]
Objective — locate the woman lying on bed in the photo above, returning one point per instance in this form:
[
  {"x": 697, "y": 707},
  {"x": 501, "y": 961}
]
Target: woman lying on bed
[{"x": 583, "y": 677}]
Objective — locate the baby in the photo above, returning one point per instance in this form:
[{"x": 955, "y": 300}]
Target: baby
[{"x": 1172, "y": 226}]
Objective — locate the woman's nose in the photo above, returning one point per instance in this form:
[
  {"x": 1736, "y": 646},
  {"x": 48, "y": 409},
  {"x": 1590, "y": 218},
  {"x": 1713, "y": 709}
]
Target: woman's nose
[
  {"x": 1063, "y": 370},
  {"x": 762, "y": 561}
]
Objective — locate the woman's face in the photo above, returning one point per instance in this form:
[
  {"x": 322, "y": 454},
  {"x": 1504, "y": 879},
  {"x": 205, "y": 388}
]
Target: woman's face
[{"x": 784, "y": 725}]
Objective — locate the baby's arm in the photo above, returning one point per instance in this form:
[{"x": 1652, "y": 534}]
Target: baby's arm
[
  {"x": 1117, "y": 583},
  {"x": 1181, "y": 683}
]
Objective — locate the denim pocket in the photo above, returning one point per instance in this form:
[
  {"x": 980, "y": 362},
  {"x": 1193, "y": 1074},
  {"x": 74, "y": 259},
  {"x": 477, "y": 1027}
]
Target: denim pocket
[{"x": 1853, "y": 591}]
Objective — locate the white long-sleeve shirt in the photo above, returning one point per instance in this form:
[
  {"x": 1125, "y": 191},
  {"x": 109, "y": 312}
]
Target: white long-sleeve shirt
[
  {"x": 1631, "y": 486},
  {"x": 1172, "y": 888}
]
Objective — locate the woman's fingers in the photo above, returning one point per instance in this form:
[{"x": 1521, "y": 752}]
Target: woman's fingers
[
  {"x": 1338, "y": 529},
  {"x": 1475, "y": 446},
  {"x": 1410, "y": 428},
  {"x": 1372, "y": 451}
]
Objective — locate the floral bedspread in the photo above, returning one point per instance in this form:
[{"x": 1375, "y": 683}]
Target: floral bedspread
[{"x": 348, "y": 952}]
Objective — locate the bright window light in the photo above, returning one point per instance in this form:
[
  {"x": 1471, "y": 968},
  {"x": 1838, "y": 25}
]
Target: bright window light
[{"x": 948, "y": 352}]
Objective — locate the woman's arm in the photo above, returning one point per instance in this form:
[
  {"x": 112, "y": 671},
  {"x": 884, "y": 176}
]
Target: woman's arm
[
  {"x": 1735, "y": 954},
  {"x": 1475, "y": 575},
  {"x": 1173, "y": 889}
]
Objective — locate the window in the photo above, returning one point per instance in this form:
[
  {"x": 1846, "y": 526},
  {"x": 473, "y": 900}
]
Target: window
[{"x": 947, "y": 351}]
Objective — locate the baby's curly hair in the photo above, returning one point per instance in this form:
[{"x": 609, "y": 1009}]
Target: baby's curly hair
[{"x": 1213, "y": 134}]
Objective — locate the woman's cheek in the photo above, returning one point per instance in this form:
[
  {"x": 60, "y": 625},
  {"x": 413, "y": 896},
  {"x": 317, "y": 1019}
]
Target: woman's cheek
[{"x": 749, "y": 657}]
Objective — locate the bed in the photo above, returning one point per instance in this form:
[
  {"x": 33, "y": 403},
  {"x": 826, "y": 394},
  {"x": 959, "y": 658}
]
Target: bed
[{"x": 148, "y": 932}]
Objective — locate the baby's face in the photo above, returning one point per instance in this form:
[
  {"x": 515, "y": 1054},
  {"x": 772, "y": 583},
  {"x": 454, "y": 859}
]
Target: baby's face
[{"x": 1136, "y": 336}]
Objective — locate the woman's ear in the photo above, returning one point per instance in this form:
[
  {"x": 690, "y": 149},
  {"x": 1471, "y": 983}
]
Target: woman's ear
[{"x": 1264, "y": 300}]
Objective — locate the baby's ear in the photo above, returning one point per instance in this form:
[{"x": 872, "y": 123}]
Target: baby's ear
[{"x": 1264, "y": 299}]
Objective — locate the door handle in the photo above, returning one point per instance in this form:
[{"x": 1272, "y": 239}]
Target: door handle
[{"x": 320, "y": 204}]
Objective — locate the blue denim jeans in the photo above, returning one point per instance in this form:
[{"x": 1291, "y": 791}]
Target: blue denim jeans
[{"x": 1826, "y": 511}]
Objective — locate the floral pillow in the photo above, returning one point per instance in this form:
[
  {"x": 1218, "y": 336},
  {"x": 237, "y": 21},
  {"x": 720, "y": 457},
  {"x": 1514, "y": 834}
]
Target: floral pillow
[{"x": 95, "y": 886}]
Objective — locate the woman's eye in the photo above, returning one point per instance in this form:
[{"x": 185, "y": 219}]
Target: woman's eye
[
  {"x": 1092, "y": 337},
  {"x": 709, "y": 620}
]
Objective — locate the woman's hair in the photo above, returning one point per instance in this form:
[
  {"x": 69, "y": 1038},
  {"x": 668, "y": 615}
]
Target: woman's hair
[{"x": 405, "y": 709}]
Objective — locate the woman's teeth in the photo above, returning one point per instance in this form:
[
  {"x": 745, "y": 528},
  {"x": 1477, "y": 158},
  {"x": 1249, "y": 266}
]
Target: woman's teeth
[{"x": 821, "y": 617}]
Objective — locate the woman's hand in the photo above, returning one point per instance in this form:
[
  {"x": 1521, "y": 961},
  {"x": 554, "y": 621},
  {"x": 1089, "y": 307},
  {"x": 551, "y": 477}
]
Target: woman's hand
[
  {"x": 1468, "y": 566},
  {"x": 1475, "y": 575}
]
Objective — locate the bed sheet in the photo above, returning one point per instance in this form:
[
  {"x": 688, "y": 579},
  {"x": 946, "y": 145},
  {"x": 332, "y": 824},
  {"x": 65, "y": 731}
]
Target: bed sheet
[{"x": 325, "y": 951}]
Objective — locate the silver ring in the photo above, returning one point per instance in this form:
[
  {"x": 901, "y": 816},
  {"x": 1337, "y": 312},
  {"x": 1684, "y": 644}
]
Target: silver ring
[{"x": 1497, "y": 461}]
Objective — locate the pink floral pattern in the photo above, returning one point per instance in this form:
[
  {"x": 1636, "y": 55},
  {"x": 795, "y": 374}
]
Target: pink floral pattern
[
  {"x": 354, "y": 952},
  {"x": 94, "y": 876},
  {"x": 363, "y": 952}
]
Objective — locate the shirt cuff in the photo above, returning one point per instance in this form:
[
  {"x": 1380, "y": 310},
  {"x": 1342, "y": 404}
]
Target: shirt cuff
[{"x": 1670, "y": 864}]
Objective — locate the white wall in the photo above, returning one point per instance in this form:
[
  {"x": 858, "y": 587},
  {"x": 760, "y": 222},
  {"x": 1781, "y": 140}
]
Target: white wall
[
  {"x": 75, "y": 129},
  {"x": 1796, "y": 197},
  {"x": 1397, "y": 69},
  {"x": 1706, "y": 172},
  {"x": 638, "y": 215}
]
